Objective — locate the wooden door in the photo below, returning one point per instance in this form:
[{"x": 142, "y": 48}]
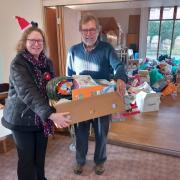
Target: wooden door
[
  {"x": 54, "y": 28},
  {"x": 61, "y": 41}
]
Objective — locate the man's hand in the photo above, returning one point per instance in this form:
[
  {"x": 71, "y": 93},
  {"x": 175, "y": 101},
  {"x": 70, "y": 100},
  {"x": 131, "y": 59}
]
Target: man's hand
[{"x": 120, "y": 87}]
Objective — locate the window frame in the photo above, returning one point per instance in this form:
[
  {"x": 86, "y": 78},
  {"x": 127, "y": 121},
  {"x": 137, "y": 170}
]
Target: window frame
[{"x": 174, "y": 19}]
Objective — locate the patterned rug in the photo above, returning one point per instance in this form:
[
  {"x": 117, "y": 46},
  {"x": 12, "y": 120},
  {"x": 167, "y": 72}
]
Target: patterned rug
[{"x": 122, "y": 164}]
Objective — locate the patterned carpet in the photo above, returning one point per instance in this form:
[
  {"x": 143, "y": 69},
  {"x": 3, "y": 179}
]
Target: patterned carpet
[{"x": 122, "y": 164}]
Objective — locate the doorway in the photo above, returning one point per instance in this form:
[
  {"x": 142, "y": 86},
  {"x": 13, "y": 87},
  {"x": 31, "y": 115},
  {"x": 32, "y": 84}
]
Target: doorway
[{"x": 54, "y": 28}]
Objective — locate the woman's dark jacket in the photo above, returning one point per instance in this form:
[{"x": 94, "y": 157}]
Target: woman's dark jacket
[{"x": 24, "y": 98}]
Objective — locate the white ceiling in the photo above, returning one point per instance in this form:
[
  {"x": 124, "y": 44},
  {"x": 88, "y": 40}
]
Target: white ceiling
[{"x": 126, "y": 4}]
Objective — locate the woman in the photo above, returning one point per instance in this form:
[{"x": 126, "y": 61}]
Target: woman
[{"x": 27, "y": 112}]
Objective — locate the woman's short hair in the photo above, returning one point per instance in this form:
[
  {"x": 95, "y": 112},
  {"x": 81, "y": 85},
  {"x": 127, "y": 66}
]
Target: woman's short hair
[
  {"x": 21, "y": 45},
  {"x": 85, "y": 18}
]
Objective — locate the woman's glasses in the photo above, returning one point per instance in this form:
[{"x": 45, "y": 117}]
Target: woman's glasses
[{"x": 33, "y": 41}]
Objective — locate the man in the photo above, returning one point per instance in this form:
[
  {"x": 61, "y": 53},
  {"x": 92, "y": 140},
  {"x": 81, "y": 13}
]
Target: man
[{"x": 97, "y": 59}]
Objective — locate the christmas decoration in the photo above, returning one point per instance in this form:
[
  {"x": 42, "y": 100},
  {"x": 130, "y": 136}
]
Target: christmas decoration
[
  {"x": 23, "y": 23},
  {"x": 47, "y": 76},
  {"x": 59, "y": 87}
]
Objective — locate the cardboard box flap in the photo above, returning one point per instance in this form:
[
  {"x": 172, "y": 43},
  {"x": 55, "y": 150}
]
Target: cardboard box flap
[{"x": 92, "y": 107}]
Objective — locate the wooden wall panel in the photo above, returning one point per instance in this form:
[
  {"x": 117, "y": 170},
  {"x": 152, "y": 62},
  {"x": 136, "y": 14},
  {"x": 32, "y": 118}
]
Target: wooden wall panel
[
  {"x": 133, "y": 32},
  {"x": 134, "y": 24}
]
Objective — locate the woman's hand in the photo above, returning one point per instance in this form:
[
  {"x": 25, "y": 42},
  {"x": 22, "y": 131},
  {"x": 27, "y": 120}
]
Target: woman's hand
[
  {"x": 121, "y": 87},
  {"x": 61, "y": 120}
]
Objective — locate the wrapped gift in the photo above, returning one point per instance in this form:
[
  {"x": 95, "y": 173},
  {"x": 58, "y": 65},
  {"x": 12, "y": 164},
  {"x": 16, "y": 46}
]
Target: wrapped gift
[{"x": 148, "y": 101}]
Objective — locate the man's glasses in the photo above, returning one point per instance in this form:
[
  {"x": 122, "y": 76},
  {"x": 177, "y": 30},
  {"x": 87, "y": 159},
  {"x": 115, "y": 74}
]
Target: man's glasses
[
  {"x": 91, "y": 31},
  {"x": 33, "y": 41}
]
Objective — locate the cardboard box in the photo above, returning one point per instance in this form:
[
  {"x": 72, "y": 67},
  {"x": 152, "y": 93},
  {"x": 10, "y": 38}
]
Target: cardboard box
[
  {"x": 144, "y": 76},
  {"x": 148, "y": 102},
  {"x": 92, "y": 107}
]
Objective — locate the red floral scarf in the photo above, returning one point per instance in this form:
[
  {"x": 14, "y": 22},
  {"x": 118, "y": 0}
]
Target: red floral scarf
[{"x": 41, "y": 68}]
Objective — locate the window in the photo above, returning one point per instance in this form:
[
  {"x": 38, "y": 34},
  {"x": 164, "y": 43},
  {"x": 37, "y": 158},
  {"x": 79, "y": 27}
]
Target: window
[
  {"x": 176, "y": 40},
  {"x": 154, "y": 13},
  {"x": 168, "y": 13},
  {"x": 178, "y": 13},
  {"x": 163, "y": 36},
  {"x": 152, "y": 39}
]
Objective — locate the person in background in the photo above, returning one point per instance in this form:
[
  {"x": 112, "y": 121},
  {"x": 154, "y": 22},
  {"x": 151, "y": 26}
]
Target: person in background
[
  {"x": 97, "y": 59},
  {"x": 27, "y": 112}
]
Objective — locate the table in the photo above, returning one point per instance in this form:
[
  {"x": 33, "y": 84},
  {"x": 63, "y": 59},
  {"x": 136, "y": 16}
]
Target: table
[
  {"x": 4, "y": 133},
  {"x": 3, "y": 95}
]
